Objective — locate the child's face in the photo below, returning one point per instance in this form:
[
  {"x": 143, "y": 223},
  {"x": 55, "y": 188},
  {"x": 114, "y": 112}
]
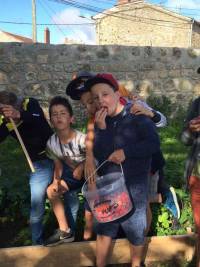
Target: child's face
[
  {"x": 60, "y": 117},
  {"x": 105, "y": 97},
  {"x": 87, "y": 101}
]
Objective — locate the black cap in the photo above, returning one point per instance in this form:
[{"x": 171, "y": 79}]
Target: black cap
[{"x": 76, "y": 87}]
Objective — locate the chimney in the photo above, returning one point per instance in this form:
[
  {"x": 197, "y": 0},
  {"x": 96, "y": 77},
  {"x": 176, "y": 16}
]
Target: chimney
[
  {"x": 121, "y": 2},
  {"x": 46, "y": 36}
]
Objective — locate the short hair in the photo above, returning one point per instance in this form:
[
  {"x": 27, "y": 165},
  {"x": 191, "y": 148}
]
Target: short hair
[
  {"x": 8, "y": 98},
  {"x": 59, "y": 100}
]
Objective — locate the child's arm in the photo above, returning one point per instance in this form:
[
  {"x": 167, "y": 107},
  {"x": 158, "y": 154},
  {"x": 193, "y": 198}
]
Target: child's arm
[
  {"x": 78, "y": 171},
  {"x": 89, "y": 167},
  {"x": 4, "y": 132},
  {"x": 57, "y": 176},
  {"x": 140, "y": 107},
  {"x": 191, "y": 124},
  {"x": 139, "y": 140}
]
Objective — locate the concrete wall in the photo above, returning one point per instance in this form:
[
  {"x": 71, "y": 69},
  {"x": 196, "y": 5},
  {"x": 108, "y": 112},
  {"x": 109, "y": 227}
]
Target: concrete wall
[
  {"x": 143, "y": 25},
  {"x": 42, "y": 71}
]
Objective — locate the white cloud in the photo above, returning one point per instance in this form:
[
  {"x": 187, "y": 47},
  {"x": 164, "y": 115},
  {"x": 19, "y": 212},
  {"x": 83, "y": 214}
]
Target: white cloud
[
  {"x": 192, "y": 4},
  {"x": 190, "y": 8},
  {"x": 81, "y": 33}
]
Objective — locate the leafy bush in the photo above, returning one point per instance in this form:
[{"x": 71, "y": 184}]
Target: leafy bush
[{"x": 175, "y": 114}]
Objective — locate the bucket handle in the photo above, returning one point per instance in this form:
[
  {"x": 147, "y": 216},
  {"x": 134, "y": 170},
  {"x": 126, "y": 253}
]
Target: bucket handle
[{"x": 97, "y": 170}]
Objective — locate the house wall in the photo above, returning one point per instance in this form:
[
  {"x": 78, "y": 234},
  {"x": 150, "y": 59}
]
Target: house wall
[
  {"x": 4, "y": 37},
  {"x": 143, "y": 26},
  {"x": 196, "y": 36},
  {"x": 43, "y": 71}
]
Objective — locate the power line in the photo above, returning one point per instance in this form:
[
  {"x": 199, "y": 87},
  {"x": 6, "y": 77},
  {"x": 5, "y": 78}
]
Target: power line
[
  {"x": 47, "y": 24},
  {"x": 100, "y": 10},
  {"x": 108, "y": 2},
  {"x": 52, "y": 18},
  {"x": 92, "y": 8},
  {"x": 68, "y": 25},
  {"x": 181, "y": 7}
]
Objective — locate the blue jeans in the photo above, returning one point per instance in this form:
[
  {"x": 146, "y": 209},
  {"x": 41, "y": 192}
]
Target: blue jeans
[
  {"x": 39, "y": 181},
  {"x": 71, "y": 200},
  {"x": 71, "y": 203}
]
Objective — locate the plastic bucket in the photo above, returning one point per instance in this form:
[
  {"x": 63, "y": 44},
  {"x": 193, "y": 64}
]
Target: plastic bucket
[{"x": 108, "y": 197}]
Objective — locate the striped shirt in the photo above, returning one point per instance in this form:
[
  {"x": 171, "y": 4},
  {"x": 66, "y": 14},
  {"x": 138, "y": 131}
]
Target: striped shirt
[{"x": 71, "y": 153}]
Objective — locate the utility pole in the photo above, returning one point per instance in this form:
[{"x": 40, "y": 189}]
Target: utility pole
[{"x": 34, "y": 26}]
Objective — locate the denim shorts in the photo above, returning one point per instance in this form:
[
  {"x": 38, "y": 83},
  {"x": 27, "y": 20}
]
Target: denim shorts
[
  {"x": 133, "y": 225},
  {"x": 67, "y": 176},
  {"x": 86, "y": 206}
]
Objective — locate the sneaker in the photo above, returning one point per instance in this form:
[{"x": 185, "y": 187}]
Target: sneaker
[
  {"x": 171, "y": 203},
  {"x": 59, "y": 237}
]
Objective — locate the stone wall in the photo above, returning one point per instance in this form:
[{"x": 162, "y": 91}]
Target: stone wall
[
  {"x": 144, "y": 25},
  {"x": 42, "y": 71},
  {"x": 196, "y": 35}
]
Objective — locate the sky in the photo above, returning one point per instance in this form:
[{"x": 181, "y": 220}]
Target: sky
[{"x": 54, "y": 12}]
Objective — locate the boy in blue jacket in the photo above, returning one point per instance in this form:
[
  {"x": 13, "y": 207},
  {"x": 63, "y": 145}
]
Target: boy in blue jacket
[{"x": 122, "y": 138}]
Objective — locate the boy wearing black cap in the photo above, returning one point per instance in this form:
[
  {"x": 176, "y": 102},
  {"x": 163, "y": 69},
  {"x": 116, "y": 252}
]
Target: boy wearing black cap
[
  {"x": 128, "y": 140},
  {"x": 76, "y": 90}
]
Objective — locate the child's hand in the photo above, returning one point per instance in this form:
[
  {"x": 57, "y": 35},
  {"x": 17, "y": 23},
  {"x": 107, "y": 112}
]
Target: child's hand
[
  {"x": 9, "y": 112},
  {"x": 63, "y": 187},
  {"x": 133, "y": 97},
  {"x": 138, "y": 109},
  {"x": 78, "y": 171},
  {"x": 117, "y": 156},
  {"x": 194, "y": 124},
  {"x": 59, "y": 187},
  {"x": 100, "y": 118}
]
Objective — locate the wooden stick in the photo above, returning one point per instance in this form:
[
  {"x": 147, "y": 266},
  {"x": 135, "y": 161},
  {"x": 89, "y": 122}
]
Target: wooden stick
[{"x": 22, "y": 145}]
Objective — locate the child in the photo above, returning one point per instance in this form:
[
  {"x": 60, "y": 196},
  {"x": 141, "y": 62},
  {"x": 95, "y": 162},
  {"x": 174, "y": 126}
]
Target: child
[
  {"x": 167, "y": 192},
  {"x": 191, "y": 137},
  {"x": 29, "y": 117},
  {"x": 76, "y": 90},
  {"x": 67, "y": 148},
  {"x": 129, "y": 140}
]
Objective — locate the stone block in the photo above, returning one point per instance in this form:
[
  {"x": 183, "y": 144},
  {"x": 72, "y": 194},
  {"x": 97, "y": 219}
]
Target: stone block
[
  {"x": 3, "y": 78},
  {"x": 42, "y": 59}
]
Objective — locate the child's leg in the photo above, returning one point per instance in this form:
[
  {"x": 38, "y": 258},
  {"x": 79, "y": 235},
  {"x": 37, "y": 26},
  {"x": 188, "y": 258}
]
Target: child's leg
[
  {"x": 105, "y": 233},
  {"x": 71, "y": 202},
  {"x": 103, "y": 245},
  {"x": 39, "y": 181},
  {"x": 136, "y": 255},
  {"x": 194, "y": 184},
  {"x": 149, "y": 218},
  {"x": 169, "y": 197},
  {"x": 88, "y": 230},
  {"x": 134, "y": 227},
  {"x": 58, "y": 208}
]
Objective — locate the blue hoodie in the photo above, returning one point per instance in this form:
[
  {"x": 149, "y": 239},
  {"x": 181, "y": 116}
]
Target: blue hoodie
[{"x": 137, "y": 136}]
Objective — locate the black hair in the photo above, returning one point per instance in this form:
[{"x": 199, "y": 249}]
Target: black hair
[
  {"x": 59, "y": 100},
  {"x": 8, "y": 98}
]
